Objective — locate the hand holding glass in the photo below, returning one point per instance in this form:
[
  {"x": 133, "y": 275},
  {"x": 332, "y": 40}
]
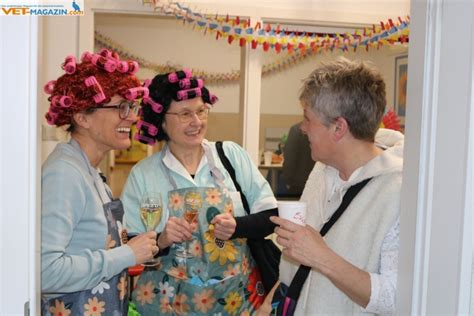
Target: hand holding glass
[
  {"x": 151, "y": 208},
  {"x": 192, "y": 203},
  {"x": 294, "y": 211}
]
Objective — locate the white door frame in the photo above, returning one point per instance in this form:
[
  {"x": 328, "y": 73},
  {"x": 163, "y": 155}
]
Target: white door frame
[
  {"x": 436, "y": 221},
  {"x": 20, "y": 166}
]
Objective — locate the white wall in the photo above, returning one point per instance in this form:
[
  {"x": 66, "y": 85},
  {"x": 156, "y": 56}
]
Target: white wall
[
  {"x": 164, "y": 41},
  {"x": 56, "y": 43},
  {"x": 280, "y": 90}
]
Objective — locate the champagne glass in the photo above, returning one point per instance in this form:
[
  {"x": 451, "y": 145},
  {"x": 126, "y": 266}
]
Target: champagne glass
[
  {"x": 151, "y": 208},
  {"x": 192, "y": 204}
]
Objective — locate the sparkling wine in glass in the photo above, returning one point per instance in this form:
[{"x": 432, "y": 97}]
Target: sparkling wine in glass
[
  {"x": 151, "y": 209},
  {"x": 191, "y": 215},
  {"x": 192, "y": 204}
]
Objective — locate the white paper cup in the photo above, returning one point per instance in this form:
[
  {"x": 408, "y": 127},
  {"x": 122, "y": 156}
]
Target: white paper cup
[
  {"x": 294, "y": 211},
  {"x": 267, "y": 158}
]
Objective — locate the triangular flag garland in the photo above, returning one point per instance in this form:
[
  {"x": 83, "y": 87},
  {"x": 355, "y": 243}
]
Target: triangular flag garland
[
  {"x": 238, "y": 30},
  {"x": 285, "y": 62}
]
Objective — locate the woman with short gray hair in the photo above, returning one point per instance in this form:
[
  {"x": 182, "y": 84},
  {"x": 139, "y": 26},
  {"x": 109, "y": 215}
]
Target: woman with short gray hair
[{"x": 353, "y": 269}]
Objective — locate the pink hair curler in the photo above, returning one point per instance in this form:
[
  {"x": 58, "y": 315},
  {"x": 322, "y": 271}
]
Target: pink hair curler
[
  {"x": 144, "y": 139},
  {"x": 136, "y": 93},
  {"x": 213, "y": 98},
  {"x": 122, "y": 67},
  {"x": 130, "y": 67},
  {"x": 49, "y": 87},
  {"x": 155, "y": 106},
  {"x": 105, "y": 52},
  {"x": 133, "y": 67},
  {"x": 152, "y": 129},
  {"x": 188, "y": 94},
  {"x": 65, "y": 101},
  {"x": 147, "y": 83},
  {"x": 51, "y": 117},
  {"x": 108, "y": 64},
  {"x": 62, "y": 101},
  {"x": 92, "y": 82},
  {"x": 109, "y": 54},
  {"x": 99, "y": 98},
  {"x": 55, "y": 106},
  {"x": 69, "y": 65},
  {"x": 115, "y": 56},
  {"x": 86, "y": 57},
  {"x": 188, "y": 83},
  {"x": 176, "y": 76}
]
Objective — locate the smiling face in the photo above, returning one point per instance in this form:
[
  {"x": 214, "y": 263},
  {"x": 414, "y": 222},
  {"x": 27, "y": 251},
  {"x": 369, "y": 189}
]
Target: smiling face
[
  {"x": 107, "y": 130},
  {"x": 185, "y": 135}
]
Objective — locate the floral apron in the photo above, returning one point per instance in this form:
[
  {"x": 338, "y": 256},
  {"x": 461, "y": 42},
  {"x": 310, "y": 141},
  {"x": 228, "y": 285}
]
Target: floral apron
[
  {"x": 219, "y": 280},
  {"x": 108, "y": 297}
]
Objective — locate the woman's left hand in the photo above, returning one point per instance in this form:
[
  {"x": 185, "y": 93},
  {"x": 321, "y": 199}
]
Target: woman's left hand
[
  {"x": 224, "y": 226},
  {"x": 306, "y": 246}
]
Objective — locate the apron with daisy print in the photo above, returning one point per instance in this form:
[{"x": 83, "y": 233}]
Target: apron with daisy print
[
  {"x": 108, "y": 297},
  {"x": 219, "y": 279}
]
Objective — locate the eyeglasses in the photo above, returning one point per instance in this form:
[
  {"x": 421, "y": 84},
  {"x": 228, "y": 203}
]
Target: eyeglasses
[
  {"x": 124, "y": 108},
  {"x": 188, "y": 116}
]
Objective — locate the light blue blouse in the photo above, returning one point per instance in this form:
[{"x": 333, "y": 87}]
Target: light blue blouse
[{"x": 74, "y": 227}]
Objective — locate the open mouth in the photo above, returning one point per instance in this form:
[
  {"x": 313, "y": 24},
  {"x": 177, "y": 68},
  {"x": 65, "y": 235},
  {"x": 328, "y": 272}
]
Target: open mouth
[
  {"x": 193, "y": 133},
  {"x": 125, "y": 130}
]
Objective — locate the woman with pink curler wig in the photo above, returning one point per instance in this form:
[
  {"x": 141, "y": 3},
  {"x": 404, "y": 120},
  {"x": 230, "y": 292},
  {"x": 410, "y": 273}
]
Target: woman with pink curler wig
[{"x": 84, "y": 248}]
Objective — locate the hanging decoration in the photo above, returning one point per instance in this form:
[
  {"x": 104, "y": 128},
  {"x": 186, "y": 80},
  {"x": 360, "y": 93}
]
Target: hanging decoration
[
  {"x": 237, "y": 30},
  {"x": 210, "y": 78},
  {"x": 391, "y": 121}
]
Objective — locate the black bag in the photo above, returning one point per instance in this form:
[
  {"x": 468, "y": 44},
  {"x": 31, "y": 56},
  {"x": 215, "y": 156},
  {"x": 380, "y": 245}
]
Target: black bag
[
  {"x": 265, "y": 253},
  {"x": 286, "y": 297}
]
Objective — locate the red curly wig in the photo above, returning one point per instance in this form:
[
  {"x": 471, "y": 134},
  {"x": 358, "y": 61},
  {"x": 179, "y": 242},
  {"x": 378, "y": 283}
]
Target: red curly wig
[{"x": 70, "y": 93}]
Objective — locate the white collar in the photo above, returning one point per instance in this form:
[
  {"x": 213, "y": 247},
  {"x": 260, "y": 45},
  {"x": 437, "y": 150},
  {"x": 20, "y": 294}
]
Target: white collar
[{"x": 172, "y": 163}]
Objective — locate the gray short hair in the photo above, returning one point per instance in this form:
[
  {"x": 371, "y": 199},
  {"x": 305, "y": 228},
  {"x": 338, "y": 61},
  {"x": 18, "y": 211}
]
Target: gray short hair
[{"x": 348, "y": 89}]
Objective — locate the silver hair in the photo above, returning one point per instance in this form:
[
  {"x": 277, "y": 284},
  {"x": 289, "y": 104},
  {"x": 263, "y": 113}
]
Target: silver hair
[{"x": 348, "y": 89}]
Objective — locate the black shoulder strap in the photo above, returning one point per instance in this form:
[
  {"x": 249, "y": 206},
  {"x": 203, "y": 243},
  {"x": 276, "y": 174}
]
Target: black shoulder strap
[
  {"x": 228, "y": 166},
  {"x": 296, "y": 285}
]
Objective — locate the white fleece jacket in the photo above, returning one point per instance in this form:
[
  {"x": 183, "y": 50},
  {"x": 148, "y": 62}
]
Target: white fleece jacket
[{"x": 359, "y": 234}]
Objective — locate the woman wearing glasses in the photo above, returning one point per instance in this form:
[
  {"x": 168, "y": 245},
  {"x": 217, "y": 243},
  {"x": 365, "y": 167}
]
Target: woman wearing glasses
[
  {"x": 208, "y": 268},
  {"x": 83, "y": 257}
]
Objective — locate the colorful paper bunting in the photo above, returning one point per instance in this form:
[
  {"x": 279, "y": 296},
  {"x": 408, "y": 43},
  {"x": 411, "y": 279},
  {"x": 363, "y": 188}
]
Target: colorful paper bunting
[
  {"x": 387, "y": 33},
  {"x": 285, "y": 62}
]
